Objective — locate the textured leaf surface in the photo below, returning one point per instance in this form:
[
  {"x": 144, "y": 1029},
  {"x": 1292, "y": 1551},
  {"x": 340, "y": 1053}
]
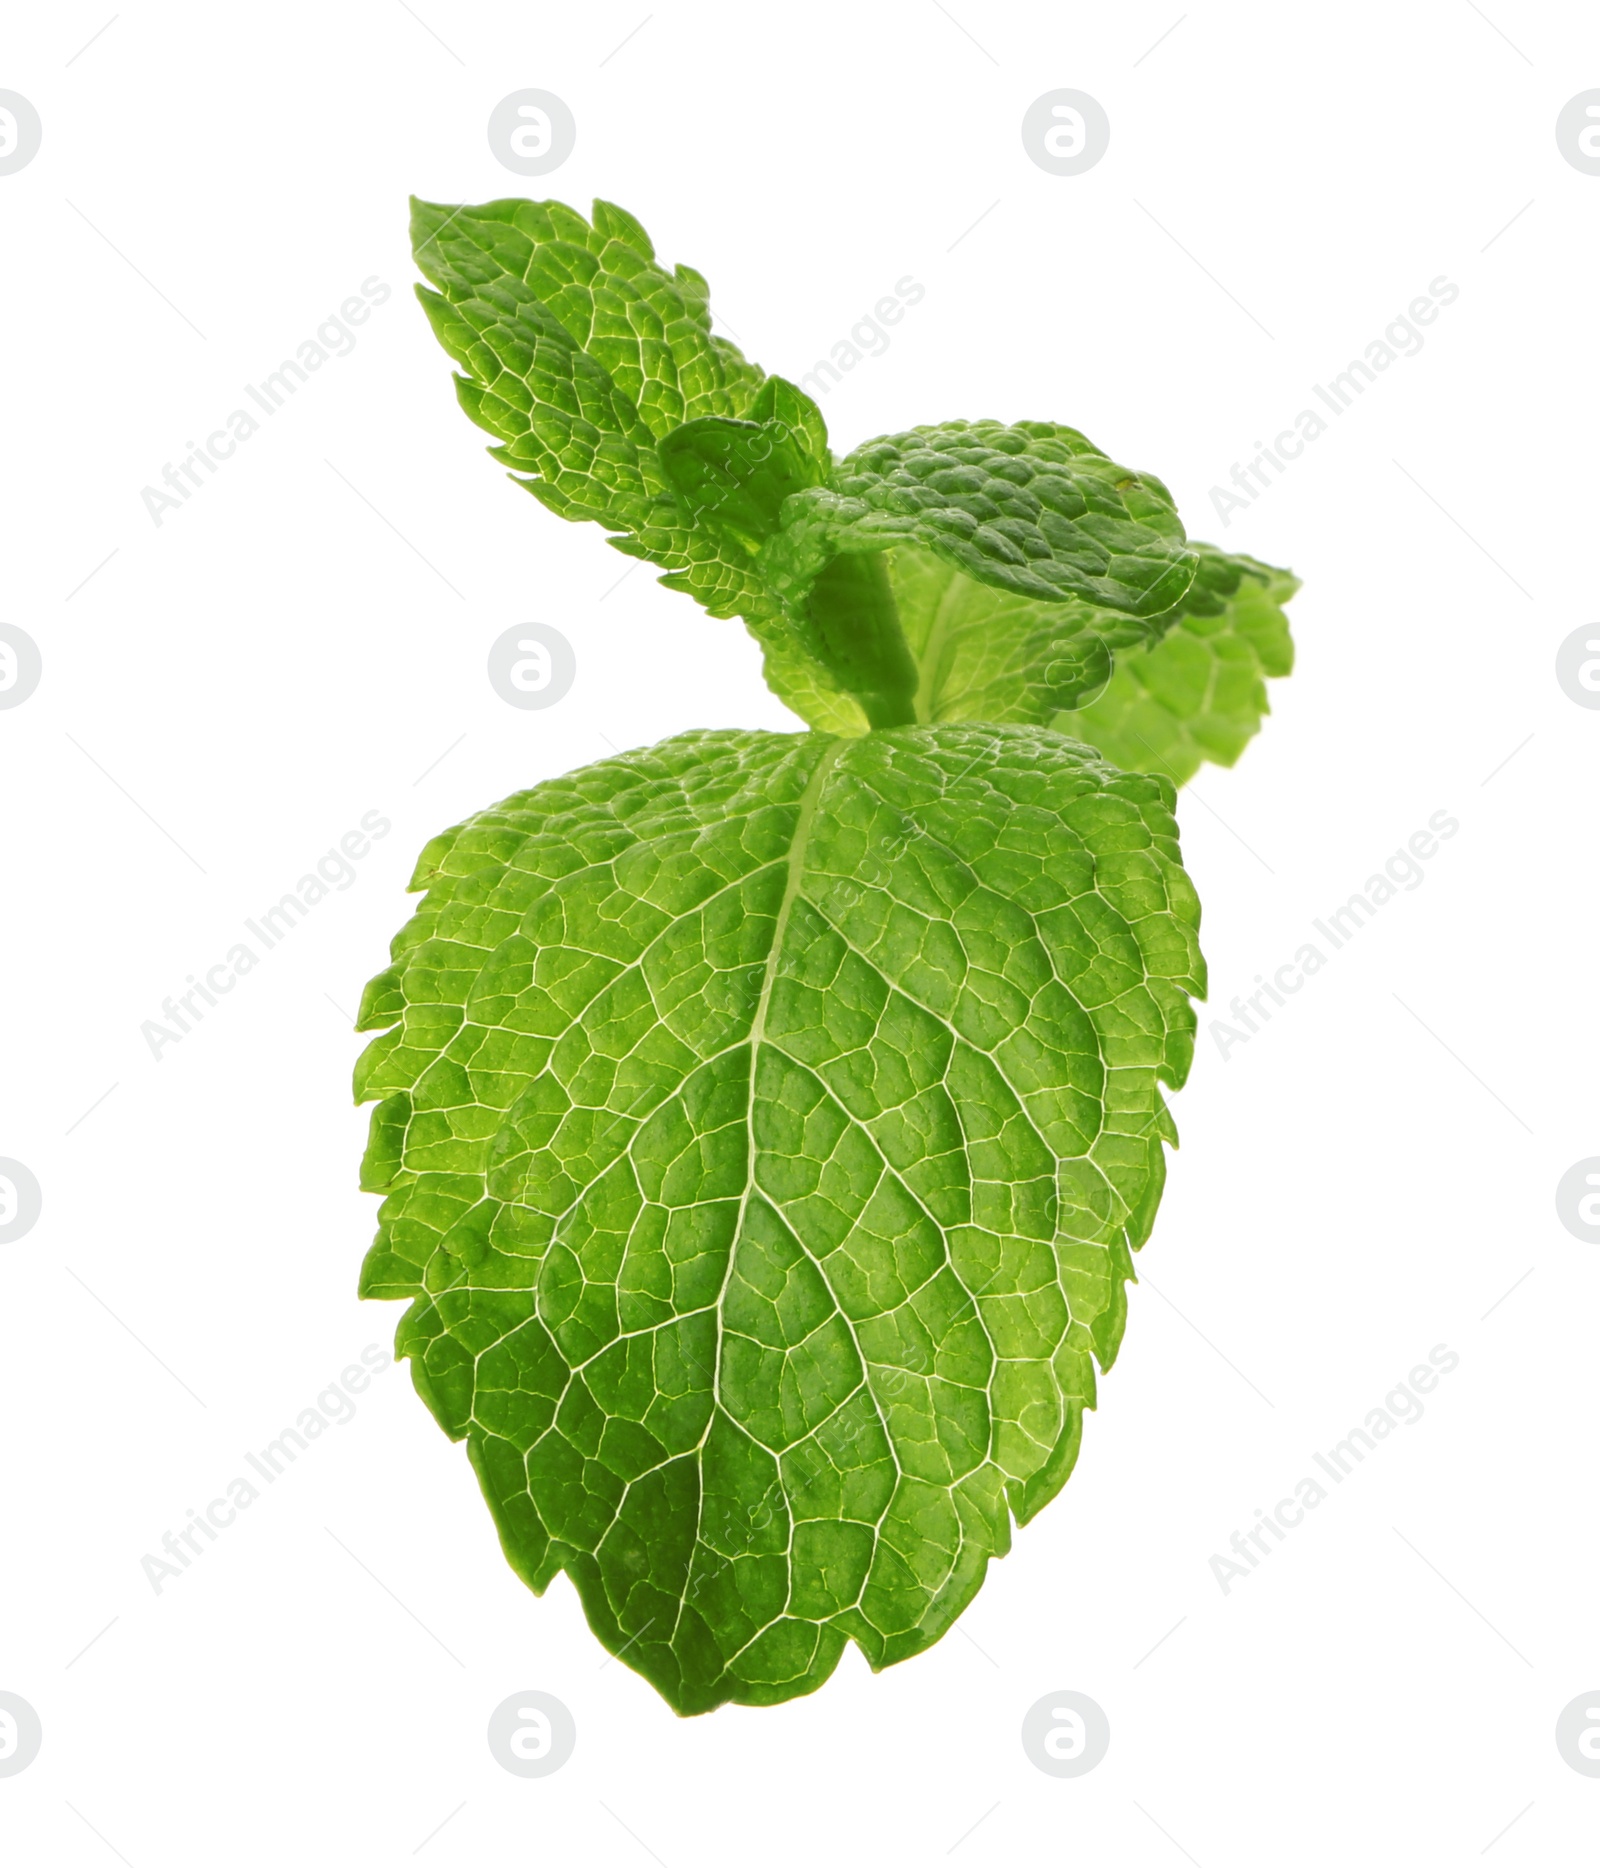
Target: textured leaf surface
[
  {"x": 1034, "y": 508},
  {"x": 580, "y": 354},
  {"x": 735, "y": 475},
  {"x": 612, "y": 400},
  {"x": 1200, "y": 691},
  {"x": 766, "y": 1121}
]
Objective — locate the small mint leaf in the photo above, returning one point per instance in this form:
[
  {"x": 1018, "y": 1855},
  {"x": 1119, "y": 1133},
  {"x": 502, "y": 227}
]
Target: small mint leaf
[
  {"x": 579, "y": 354},
  {"x": 735, "y": 475},
  {"x": 1033, "y": 508},
  {"x": 1199, "y": 690}
]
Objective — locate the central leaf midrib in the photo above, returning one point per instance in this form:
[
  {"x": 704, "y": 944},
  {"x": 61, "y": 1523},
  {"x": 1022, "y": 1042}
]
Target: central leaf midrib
[
  {"x": 804, "y": 816},
  {"x": 799, "y": 838}
]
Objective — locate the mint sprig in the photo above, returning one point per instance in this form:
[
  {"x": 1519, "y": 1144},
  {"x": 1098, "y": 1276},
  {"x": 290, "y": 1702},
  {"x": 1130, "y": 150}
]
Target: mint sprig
[{"x": 766, "y": 1121}]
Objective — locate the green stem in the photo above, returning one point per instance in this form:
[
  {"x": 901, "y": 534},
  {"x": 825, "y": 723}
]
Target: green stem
[{"x": 853, "y": 611}]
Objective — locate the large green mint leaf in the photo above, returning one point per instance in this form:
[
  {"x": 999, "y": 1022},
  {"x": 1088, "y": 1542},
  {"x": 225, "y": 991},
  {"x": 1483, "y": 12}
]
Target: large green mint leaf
[
  {"x": 766, "y": 1121},
  {"x": 580, "y": 354},
  {"x": 1200, "y": 691}
]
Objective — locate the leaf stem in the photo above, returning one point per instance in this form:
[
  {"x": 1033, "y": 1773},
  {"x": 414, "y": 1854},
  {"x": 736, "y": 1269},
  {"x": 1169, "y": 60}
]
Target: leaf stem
[{"x": 853, "y": 611}]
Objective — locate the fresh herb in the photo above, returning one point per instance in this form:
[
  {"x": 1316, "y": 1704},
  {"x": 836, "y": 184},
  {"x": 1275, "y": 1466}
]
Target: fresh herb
[{"x": 767, "y": 1120}]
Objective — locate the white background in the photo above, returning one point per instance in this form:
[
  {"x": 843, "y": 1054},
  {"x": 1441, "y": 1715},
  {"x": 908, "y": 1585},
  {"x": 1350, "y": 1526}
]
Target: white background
[{"x": 229, "y": 692}]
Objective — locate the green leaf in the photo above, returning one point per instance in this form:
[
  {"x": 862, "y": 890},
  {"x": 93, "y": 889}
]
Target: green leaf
[
  {"x": 735, "y": 475},
  {"x": 977, "y": 571},
  {"x": 612, "y": 400},
  {"x": 596, "y": 289},
  {"x": 1200, "y": 691},
  {"x": 580, "y": 355},
  {"x": 984, "y": 653},
  {"x": 766, "y": 1122},
  {"x": 1033, "y": 508}
]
